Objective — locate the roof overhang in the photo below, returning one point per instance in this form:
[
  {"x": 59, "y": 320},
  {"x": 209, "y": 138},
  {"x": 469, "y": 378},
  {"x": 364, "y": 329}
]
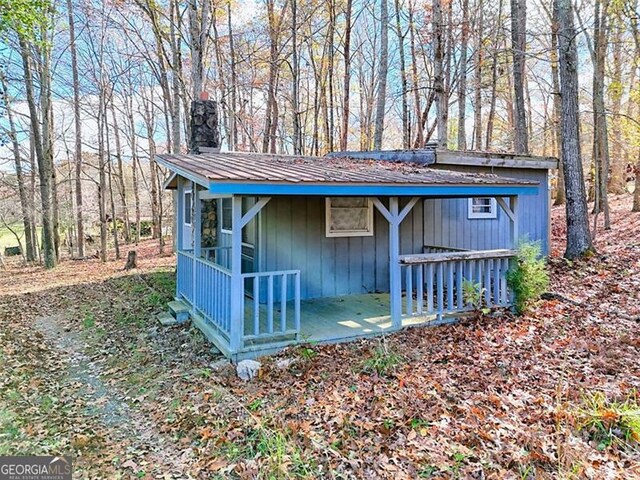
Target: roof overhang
[
  {"x": 372, "y": 190},
  {"x": 181, "y": 172}
]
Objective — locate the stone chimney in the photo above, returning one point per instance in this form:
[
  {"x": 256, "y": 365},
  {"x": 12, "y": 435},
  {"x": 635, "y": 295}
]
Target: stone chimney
[{"x": 204, "y": 125}]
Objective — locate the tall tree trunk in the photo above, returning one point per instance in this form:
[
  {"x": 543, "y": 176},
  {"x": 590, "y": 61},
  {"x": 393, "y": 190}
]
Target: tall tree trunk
[
  {"x": 295, "y": 100},
  {"x": 415, "y": 80},
  {"x": 578, "y": 235},
  {"x": 477, "y": 107},
  {"x": 45, "y": 164},
  {"x": 77, "y": 133},
  {"x": 233, "y": 140},
  {"x": 557, "y": 108},
  {"x": 102, "y": 180},
  {"x": 600, "y": 134},
  {"x": 518, "y": 46},
  {"x": 494, "y": 82},
  {"x": 442, "y": 101},
  {"x": 120, "y": 180},
  {"x": 406, "y": 128},
  {"x": 347, "y": 77},
  {"x": 109, "y": 172},
  {"x": 27, "y": 221},
  {"x": 381, "y": 97},
  {"x": 462, "y": 82}
]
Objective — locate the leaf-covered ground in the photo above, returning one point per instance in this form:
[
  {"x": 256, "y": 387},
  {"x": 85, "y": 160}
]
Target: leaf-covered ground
[{"x": 85, "y": 369}]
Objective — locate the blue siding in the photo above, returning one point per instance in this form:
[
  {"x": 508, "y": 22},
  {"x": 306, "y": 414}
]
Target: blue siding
[
  {"x": 293, "y": 237},
  {"x": 447, "y": 223}
]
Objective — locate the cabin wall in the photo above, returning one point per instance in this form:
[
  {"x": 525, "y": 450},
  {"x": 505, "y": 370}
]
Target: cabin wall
[
  {"x": 186, "y": 231},
  {"x": 447, "y": 223},
  {"x": 292, "y": 236}
]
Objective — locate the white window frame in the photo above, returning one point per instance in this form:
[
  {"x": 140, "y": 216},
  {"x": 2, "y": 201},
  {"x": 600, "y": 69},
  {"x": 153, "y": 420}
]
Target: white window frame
[
  {"x": 222, "y": 229},
  {"x": 348, "y": 233},
  {"x": 184, "y": 207},
  {"x": 493, "y": 213}
]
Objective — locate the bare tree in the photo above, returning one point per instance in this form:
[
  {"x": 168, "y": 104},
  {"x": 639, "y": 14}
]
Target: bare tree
[{"x": 578, "y": 235}]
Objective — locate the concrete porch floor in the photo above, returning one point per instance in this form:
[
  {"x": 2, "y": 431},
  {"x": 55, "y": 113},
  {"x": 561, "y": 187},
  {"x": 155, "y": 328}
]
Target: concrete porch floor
[{"x": 335, "y": 319}]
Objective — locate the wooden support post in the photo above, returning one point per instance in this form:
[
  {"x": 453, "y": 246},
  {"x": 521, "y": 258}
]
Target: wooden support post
[
  {"x": 394, "y": 216},
  {"x": 237, "y": 288},
  {"x": 513, "y": 204},
  {"x": 395, "y": 280},
  {"x": 512, "y": 212},
  {"x": 196, "y": 232}
]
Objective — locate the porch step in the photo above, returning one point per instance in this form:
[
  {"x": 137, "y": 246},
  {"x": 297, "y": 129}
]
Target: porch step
[
  {"x": 167, "y": 320},
  {"x": 179, "y": 310}
]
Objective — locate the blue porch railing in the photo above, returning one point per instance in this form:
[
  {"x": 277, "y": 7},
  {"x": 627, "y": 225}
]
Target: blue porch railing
[
  {"x": 212, "y": 294},
  {"x": 434, "y": 282},
  {"x": 274, "y": 309},
  {"x": 184, "y": 265}
]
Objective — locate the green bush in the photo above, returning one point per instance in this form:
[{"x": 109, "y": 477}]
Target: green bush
[{"x": 528, "y": 277}]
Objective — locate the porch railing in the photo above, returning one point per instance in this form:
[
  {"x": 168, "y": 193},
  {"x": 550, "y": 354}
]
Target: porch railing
[
  {"x": 434, "y": 281},
  {"x": 212, "y": 294},
  {"x": 184, "y": 265},
  {"x": 273, "y": 305}
]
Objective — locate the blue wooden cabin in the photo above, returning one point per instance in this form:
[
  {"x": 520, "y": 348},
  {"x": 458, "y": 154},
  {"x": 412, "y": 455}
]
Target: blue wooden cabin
[{"x": 273, "y": 250}]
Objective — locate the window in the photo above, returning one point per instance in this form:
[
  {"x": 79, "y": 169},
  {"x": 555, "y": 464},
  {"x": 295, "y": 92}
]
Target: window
[
  {"x": 188, "y": 205},
  {"x": 349, "y": 217},
  {"x": 225, "y": 214},
  {"x": 482, "y": 207}
]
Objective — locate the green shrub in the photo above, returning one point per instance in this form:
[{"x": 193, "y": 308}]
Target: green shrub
[{"x": 528, "y": 277}]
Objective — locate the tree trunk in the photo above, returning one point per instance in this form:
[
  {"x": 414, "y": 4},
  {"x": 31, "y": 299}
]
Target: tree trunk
[
  {"x": 22, "y": 187},
  {"x": 477, "y": 107},
  {"x": 442, "y": 103},
  {"x": 518, "y": 42},
  {"x": 578, "y": 234},
  {"x": 347, "y": 78},
  {"x": 406, "y": 128},
  {"x": 120, "y": 178},
  {"x": 462, "y": 82},
  {"x": 45, "y": 166},
  {"x": 381, "y": 97},
  {"x": 77, "y": 133},
  {"x": 557, "y": 108}
]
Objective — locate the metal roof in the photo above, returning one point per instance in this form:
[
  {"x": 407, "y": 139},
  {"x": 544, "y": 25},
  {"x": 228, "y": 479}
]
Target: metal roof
[{"x": 232, "y": 167}]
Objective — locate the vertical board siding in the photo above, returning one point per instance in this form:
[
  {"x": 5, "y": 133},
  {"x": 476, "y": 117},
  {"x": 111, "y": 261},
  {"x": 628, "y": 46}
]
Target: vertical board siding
[
  {"x": 446, "y": 221},
  {"x": 293, "y": 237}
]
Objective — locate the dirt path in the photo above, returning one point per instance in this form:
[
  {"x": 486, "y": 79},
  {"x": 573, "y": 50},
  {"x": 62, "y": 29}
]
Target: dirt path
[{"x": 158, "y": 456}]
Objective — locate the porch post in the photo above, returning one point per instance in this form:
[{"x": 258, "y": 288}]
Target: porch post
[
  {"x": 236, "y": 300},
  {"x": 513, "y": 204},
  {"x": 395, "y": 280},
  {"x": 395, "y": 218},
  {"x": 512, "y": 212},
  {"x": 196, "y": 232}
]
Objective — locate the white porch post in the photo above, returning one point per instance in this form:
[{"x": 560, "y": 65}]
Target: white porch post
[
  {"x": 237, "y": 310},
  {"x": 395, "y": 218}
]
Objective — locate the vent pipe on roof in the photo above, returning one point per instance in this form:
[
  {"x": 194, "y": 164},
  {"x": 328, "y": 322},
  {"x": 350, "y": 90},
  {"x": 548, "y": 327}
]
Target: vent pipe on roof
[{"x": 204, "y": 125}]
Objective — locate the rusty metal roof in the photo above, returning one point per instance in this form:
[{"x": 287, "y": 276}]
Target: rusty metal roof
[{"x": 240, "y": 167}]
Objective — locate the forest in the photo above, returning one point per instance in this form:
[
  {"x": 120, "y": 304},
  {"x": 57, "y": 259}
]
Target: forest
[{"x": 92, "y": 91}]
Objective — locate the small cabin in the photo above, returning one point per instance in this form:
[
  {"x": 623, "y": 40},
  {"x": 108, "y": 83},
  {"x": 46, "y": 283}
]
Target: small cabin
[{"x": 274, "y": 250}]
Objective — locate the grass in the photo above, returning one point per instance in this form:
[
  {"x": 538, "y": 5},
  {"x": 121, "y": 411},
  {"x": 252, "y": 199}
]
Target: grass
[{"x": 610, "y": 422}]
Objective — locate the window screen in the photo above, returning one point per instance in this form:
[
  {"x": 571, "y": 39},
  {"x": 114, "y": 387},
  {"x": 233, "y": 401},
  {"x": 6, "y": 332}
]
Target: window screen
[
  {"x": 482, "y": 207},
  {"x": 188, "y": 205},
  {"x": 349, "y": 217},
  {"x": 226, "y": 214}
]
